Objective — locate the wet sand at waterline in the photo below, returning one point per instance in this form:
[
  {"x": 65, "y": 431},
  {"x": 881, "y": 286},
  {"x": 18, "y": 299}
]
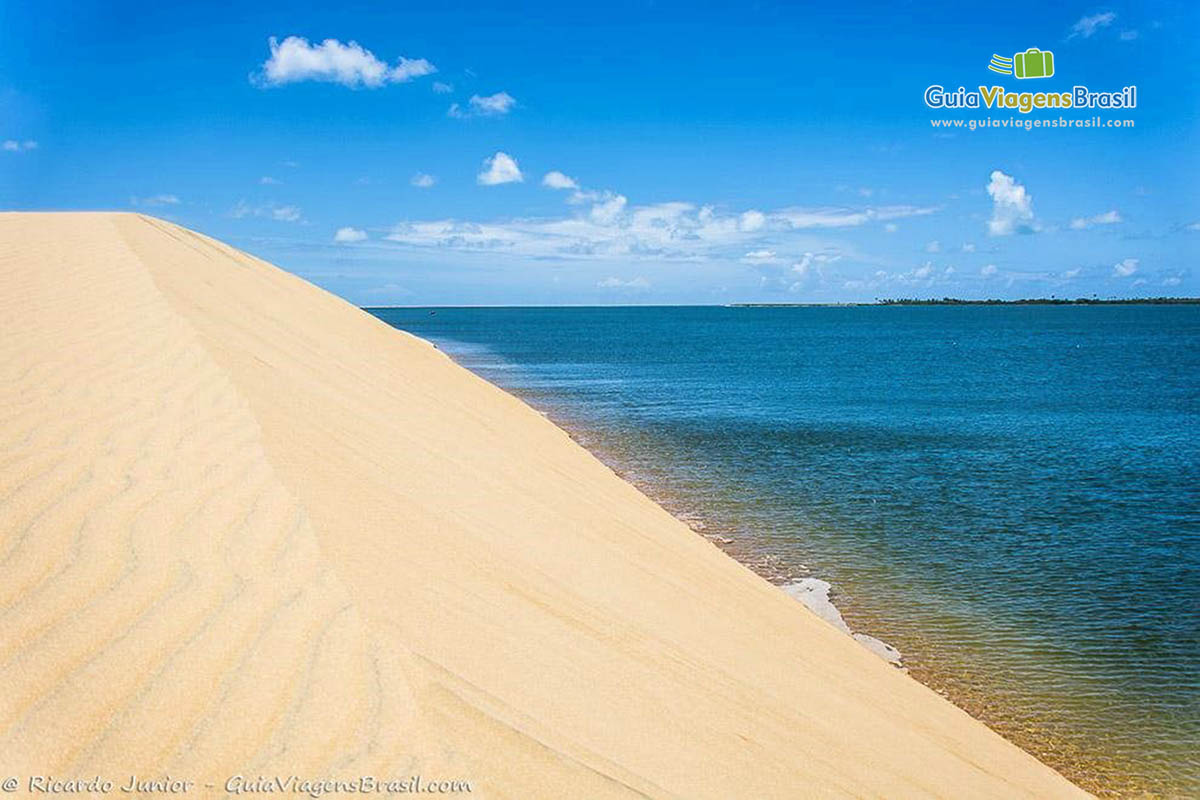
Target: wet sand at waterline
[{"x": 248, "y": 529}]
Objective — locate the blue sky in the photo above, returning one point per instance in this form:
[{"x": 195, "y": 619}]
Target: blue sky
[{"x": 703, "y": 153}]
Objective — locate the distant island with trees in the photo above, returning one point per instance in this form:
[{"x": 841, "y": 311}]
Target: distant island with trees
[{"x": 1029, "y": 301}]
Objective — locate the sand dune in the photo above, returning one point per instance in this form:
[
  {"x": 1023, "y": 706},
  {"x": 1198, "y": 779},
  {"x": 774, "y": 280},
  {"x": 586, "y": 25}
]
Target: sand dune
[{"x": 246, "y": 528}]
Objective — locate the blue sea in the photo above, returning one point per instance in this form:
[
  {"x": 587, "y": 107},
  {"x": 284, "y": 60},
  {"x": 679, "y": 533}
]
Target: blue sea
[{"x": 1010, "y": 495}]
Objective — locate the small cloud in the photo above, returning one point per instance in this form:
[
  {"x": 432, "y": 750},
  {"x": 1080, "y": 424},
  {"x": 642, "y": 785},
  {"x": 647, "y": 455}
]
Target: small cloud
[
  {"x": 290, "y": 164},
  {"x": 616, "y": 283},
  {"x": 752, "y": 220},
  {"x": 1071, "y": 274},
  {"x": 933, "y": 247},
  {"x": 762, "y": 256},
  {"x": 1195, "y": 226},
  {"x": 494, "y": 105},
  {"x": 155, "y": 201},
  {"x": 345, "y": 235},
  {"x": 1012, "y": 206},
  {"x": 558, "y": 180},
  {"x": 1173, "y": 280},
  {"x": 609, "y": 208},
  {"x": 442, "y": 88},
  {"x": 423, "y": 180},
  {"x": 1125, "y": 268},
  {"x": 270, "y": 211},
  {"x": 968, "y": 247},
  {"x": 1088, "y": 25},
  {"x": 14, "y": 146},
  {"x": 1107, "y": 218},
  {"x": 285, "y": 213},
  {"x": 500, "y": 168},
  {"x": 267, "y": 180},
  {"x": 923, "y": 271},
  {"x": 891, "y": 227},
  {"x": 1128, "y": 36},
  {"x": 295, "y": 60},
  {"x": 988, "y": 271}
]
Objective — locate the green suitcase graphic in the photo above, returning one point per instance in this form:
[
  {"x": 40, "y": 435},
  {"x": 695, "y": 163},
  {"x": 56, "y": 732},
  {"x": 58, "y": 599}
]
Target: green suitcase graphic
[{"x": 1034, "y": 63}]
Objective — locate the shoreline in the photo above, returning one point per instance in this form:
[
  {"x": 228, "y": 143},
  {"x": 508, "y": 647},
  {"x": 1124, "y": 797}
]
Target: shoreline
[{"x": 802, "y": 585}]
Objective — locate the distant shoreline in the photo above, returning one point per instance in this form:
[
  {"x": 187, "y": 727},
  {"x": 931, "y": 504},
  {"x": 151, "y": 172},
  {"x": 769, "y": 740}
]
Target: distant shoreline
[
  {"x": 1030, "y": 301},
  {"x": 945, "y": 301}
]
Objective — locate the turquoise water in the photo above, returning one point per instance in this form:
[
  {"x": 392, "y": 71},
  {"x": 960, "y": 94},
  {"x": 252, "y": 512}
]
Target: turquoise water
[{"x": 1009, "y": 495}]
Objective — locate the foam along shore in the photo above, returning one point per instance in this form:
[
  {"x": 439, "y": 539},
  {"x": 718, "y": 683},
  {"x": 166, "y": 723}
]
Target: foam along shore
[
  {"x": 249, "y": 530},
  {"x": 814, "y": 593}
]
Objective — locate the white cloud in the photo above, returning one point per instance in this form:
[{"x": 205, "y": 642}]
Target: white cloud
[
  {"x": 155, "y": 201},
  {"x": 609, "y": 208},
  {"x": 810, "y": 263},
  {"x": 1071, "y": 274},
  {"x": 1173, "y": 280},
  {"x": 269, "y": 210},
  {"x": 968, "y": 247},
  {"x": 348, "y": 234},
  {"x": 1194, "y": 226},
  {"x": 761, "y": 256},
  {"x": 294, "y": 60},
  {"x": 558, "y": 180},
  {"x": 752, "y": 220},
  {"x": 1107, "y": 218},
  {"x": 988, "y": 271},
  {"x": 609, "y": 228},
  {"x": 800, "y": 218},
  {"x": 891, "y": 227},
  {"x": 1125, "y": 268},
  {"x": 500, "y": 168},
  {"x": 493, "y": 105},
  {"x": 285, "y": 213},
  {"x": 616, "y": 283},
  {"x": 267, "y": 180},
  {"x": 442, "y": 88},
  {"x": 1012, "y": 206},
  {"x": 13, "y": 146},
  {"x": 1086, "y": 26},
  {"x": 422, "y": 180},
  {"x": 933, "y": 247},
  {"x": 1128, "y": 36}
]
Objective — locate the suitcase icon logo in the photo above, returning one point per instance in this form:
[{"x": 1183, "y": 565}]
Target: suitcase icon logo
[{"x": 1033, "y": 63}]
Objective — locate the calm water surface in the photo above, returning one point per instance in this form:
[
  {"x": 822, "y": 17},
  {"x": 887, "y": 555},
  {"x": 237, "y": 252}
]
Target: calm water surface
[{"x": 1009, "y": 495}]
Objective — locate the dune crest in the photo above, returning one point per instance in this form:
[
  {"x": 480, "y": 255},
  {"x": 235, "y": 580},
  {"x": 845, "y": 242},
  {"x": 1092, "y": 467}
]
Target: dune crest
[{"x": 248, "y": 529}]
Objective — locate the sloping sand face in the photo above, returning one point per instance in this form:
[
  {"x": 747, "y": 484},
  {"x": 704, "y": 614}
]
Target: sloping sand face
[{"x": 247, "y": 529}]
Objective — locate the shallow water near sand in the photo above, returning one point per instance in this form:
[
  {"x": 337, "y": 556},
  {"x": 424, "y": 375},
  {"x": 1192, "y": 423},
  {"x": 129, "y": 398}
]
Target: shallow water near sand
[{"x": 1009, "y": 495}]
